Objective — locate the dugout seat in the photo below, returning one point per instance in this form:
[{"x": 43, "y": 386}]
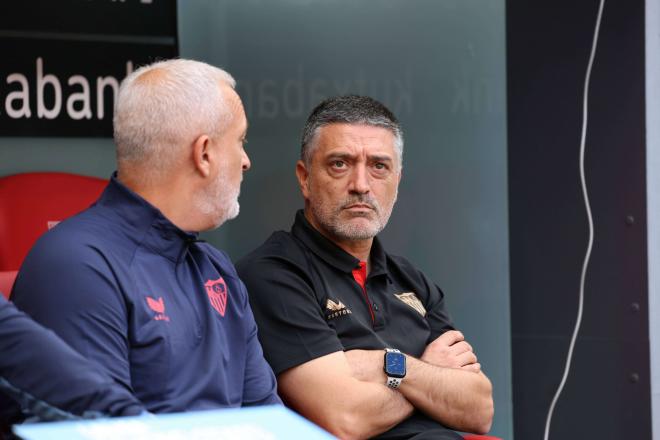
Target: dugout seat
[
  {"x": 32, "y": 203},
  {"x": 7, "y": 281}
]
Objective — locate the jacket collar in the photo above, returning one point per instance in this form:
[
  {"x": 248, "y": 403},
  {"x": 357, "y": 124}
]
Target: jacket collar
[{"x": 144, "y": 221}]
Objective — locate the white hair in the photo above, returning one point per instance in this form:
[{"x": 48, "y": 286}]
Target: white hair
[{"x": 166, "y": 105}]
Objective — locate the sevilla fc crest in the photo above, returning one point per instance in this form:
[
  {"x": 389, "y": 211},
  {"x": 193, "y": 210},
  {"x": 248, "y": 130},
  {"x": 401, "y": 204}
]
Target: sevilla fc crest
[{"x": 217, "y": 292}]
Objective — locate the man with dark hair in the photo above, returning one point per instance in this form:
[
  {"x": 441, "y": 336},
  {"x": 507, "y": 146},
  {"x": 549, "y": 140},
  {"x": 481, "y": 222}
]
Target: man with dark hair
[
  {"x": 359, "y": 339},
  {"x": 127, "y": 283}
]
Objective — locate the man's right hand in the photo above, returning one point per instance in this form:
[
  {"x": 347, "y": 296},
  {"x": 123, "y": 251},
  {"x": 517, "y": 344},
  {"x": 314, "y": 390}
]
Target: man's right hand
[{"x": 451, "y": 350}]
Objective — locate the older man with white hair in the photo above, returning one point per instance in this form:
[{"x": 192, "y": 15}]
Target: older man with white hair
[{"x": 127, "y": 283}]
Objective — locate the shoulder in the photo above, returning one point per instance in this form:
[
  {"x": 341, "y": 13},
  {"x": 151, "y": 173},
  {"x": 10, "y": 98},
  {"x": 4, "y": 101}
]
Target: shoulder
[
  {"x": 75, "y": 258},
  {"x": 413, "y": 276},
  {"x": 279, "y": 262},
  {"x": 404, "y": 266},
  {"x": 80, "y": 241},
  {"x": 281, "y": 249},
  {"x": 70, "y": 241}
]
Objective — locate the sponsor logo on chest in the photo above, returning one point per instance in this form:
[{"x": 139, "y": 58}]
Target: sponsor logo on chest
[{"x": 336, "y": 309}]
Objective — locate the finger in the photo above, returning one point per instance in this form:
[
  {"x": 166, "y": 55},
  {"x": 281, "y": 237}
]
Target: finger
[
  {"x": 460, "y": 347},
  {"x": 466, "y": 358},
  {"x": 468, "y": 346},
  {"x": 451, "y": 337},
  {"x": 475, "y": 368}
]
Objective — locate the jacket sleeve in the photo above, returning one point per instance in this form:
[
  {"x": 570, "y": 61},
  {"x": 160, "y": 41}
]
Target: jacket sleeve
[{"x": 48, "y": 378}]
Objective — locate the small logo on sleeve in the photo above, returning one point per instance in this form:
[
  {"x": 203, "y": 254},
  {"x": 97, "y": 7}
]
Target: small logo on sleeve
[
  {"x": 217, "y": 292},
  {"x": 411, "y": 299},
  {"x": 336, "y": 309},
  {"x": 158, "y": 306}
]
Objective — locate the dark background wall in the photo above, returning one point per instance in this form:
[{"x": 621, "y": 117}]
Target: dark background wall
[{"x": 607, "y": 393}]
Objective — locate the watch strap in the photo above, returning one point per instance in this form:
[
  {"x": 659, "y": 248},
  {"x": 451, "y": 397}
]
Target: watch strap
[{"x": 393, "y": 382}]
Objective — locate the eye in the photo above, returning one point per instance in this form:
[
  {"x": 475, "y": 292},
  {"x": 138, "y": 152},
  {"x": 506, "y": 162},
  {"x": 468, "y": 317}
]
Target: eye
[
  {"x": 338, "y": 164},
  {"x": 381, "y": 168}
]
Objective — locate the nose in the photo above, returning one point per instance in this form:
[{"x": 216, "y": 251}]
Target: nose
[
  {"x": 359, "y": 180},
  {"x": 245, "y": 161}
]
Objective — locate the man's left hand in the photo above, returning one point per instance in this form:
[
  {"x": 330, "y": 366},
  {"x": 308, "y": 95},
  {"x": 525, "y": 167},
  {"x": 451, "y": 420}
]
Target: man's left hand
[{"x": 451, "y": 350}]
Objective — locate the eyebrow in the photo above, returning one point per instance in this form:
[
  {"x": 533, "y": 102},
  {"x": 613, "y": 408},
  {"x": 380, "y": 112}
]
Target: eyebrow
[
  {"x": 380, "y": 158},
  {"x": 371, "y": 157},
  {"x": 340, "y": 156}
]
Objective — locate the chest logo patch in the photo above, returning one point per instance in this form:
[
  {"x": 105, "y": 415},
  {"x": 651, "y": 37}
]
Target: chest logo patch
[
  {"x": 217, "y": 292},
  {"x": 158, "y": 306},
  {"x": 411, "y": 299},
  {"x": 336, "y": 309}
]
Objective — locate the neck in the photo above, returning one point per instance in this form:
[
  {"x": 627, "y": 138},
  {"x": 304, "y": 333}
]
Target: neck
[
  {"x": 360, "y": 249},
  {"x": 167, "y": 195}
]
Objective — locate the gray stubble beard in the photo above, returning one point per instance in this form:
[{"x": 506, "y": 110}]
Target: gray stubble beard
[
  {"x": 219, "y": 202},
  {"x": 330, "y": 218}
]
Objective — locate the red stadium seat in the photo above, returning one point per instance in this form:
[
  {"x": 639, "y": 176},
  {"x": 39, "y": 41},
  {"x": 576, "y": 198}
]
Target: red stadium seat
[
  {"x": 32, "y": 203},
  {"x": 7, "y": 281}
]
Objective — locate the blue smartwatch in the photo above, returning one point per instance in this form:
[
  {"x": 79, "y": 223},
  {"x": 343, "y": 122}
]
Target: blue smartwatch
[{"x": 395, "y": 367}]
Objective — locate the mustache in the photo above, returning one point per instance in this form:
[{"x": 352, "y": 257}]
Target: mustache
[{"x": 363, "y": 199}]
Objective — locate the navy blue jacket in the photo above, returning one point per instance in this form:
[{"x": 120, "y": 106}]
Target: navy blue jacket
[
  {"x": 48, "y": 379},
  {"x": 164, "y": 315}
]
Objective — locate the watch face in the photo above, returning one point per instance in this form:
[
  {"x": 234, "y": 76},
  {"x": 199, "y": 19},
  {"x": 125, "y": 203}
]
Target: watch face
[{"x": 395, "y": 365}]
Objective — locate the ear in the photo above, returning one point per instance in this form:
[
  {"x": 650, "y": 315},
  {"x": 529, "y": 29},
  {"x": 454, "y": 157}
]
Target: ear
[
  {"x": 303, "y": 178},
  {"x": 201, "y": 155}
]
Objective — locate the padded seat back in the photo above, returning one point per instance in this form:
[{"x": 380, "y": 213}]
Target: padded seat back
[
  {"x": 7, "y": 282},
  {"x": 32, "y": 203}
]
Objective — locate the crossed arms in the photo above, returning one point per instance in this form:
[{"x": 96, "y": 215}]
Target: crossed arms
[{"x": 345, "y": 392}]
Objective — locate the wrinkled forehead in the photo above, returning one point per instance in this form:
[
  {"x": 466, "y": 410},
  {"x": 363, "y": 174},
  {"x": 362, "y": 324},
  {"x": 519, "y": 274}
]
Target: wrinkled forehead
[{"x": 353, "y": 138}]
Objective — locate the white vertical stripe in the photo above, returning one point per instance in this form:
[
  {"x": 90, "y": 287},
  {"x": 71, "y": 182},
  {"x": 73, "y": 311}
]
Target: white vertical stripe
[{"x": 653, "y": 199}]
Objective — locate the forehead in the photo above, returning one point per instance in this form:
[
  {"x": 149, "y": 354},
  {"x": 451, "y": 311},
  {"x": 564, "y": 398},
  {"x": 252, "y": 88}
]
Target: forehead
[{"x": 354, "y": 138}]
